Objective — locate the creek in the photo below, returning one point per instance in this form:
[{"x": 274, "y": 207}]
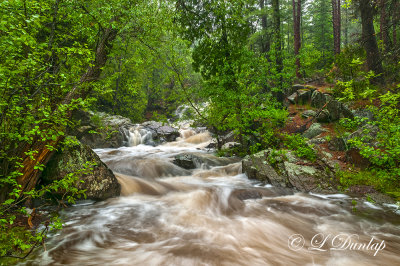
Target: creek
[{"x": 215, "y": 215}]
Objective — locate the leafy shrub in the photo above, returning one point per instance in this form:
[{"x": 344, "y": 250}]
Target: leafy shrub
[
  {"x": 385, "y": 153},
  {"x": 276, "y": 156},
  {"x": 348, "y": 63},
  {"x": 299, "y": 145},
  {"x": 352, "y": 124}
]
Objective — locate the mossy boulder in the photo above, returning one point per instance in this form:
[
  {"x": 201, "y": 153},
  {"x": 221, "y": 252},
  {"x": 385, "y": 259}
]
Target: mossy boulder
[
  {"x": 99, "y": 183},
  {"x": 284, "y": 169},
  {"x": 100, "y": 130}
]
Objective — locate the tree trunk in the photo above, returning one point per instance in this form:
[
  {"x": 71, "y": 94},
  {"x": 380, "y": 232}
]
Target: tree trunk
[
  {"x": 278, "y": 41},
  {"x": 394, "y": 22},
  {"x": 336, "y": 21},
  {"x": 346, "y": 27},
  {"x": 265, "y": 40},
  {"x": 369, "y": 40},
  {"x": 296, "y": 32},
  {"x": 384, "y": 25},
  {"x": 30, "y": 175}
]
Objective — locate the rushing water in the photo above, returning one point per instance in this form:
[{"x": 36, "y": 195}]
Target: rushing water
[{"x": 215, "y": 216}]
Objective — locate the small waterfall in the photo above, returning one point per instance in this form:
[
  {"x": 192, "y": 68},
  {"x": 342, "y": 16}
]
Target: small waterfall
[
  {"x": 187, "y": 133},
  {"x": 137, "y": 135},
  {"x": 134, "y": 137},
  {"x": 212, "y": 215}
]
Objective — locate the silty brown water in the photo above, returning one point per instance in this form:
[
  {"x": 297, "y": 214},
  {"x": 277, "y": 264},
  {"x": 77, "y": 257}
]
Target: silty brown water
[{"x": 167, "y": 215}]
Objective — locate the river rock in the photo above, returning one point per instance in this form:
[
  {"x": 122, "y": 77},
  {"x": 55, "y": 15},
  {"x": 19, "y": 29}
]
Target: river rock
[
  {"x": 314, "y": 130},
  {"x": 197, "y": 160},
  {"x": 100, "y": 183},
  {"x": 231, "y": 145},
  {"x": 99, "y": 130},
  {"x": 257, "y": 167},
  {"x": 161, "y": 132},
  {"x": 290, "y": 172}
]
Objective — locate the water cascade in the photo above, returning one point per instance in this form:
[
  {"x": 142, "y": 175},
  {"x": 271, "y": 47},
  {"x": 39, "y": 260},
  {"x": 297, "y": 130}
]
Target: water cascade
[{"x": 214, "y": 215}]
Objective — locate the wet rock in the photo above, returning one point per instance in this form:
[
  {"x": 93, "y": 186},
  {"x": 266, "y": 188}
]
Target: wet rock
[
  {"x": 231, "y": 145},
  {"x": 364, "y": 113},
  {"x": 99, "y": 130},
  {"x": 186, "y": 161},
  {"x": 337, "y": 144},
  {"x": 161, "y": 132},
  {"x": 317, "y": 141},
  {"x": 230, "y": 137},
  {"x": 366, "y": 133},
  {"x": 199, "y": 130},
  {"x": 324, "y": 116},
  {"x": 334, "y": 107},
  {"x": 308, "y": 113},
  {"x": 346, "y": 111},
  {"x": 291, "y": 172},
  {"x": 314, "y": 130},
  {"x": 197, "y": 160},
  {"x": 297, "y": 87},
  {"x": 244, "y": 194},
  {"x": 256, "y": 166},
  {"x": 303, "y": 96},
  {"x": 212, "y": 145},
  {"x": 311, "y": 88},
  {"x": 293, "y": 89},
  {"x": 258, "y": 193},
  {"x": 306, "y": 178},
  {"x": 318, "y": 99},
  {"x": 293, "y": 98},
  {"x": 145, "y": 167},
  {"x": 100, "y": 183}
]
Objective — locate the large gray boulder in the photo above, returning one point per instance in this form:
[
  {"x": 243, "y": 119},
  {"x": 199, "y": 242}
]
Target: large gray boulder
[
  {"x": 314, "y": 130},
  {"x": 100, "y": 183},
  {"x": 318, "y": 99},
  {"x": 100, "y": 130},
  {"x": 161, "y": 132},
  {"x": 256, "y": 166},
  {"x": 289, "y": 171},
  {"x": 324, "y": 116},
  {"x": 303, "y": 96},
  {"x": 335, "y": 108},
  {"x": 366, "y": 134}
]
